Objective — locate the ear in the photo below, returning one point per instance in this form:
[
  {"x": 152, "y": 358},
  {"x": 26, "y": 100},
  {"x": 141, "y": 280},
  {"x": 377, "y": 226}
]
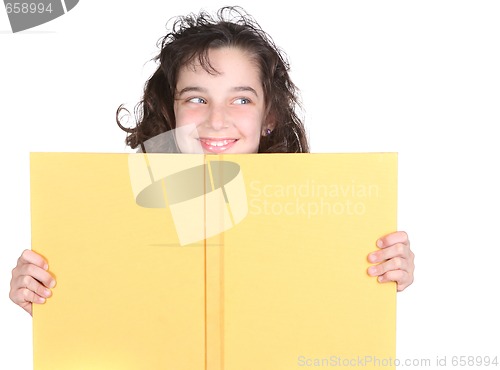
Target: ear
[{"x": 268, "y": 126}]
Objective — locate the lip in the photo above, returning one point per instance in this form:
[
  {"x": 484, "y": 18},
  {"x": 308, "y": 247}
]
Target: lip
[{"x": 216, "y": 145}]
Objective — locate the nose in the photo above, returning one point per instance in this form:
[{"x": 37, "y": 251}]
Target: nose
[{"x": 216, "y": 119}]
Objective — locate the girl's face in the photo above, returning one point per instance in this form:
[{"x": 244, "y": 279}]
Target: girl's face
[{"x": 223, "y": 112}]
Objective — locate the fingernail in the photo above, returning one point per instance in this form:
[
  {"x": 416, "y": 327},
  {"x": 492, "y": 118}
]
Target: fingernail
[
  {"x": 47, "y": 293},
  {"x": 372, "y": 270},
  {"x": 45, "y": 267},
  {"x": 372, "y": 257},
  {"x": 52, "y": 284},
  {"x": 380, "y": 279},
  {"x": 380, "y": 243},
  {"x": 40, "y": 300}
]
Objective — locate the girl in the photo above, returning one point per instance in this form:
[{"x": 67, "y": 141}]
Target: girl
[{"x": 224, "y": 80}]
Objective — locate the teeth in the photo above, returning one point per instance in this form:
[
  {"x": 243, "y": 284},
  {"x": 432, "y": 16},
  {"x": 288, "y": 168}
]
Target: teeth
[{"x": 219, "y": 142}]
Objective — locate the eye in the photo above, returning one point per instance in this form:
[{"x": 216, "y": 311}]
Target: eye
[
  {"x": 197, "y": 100},
  {"x": 242, "y": 101}
]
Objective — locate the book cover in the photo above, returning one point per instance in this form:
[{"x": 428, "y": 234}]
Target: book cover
[{"x": 177, "y": 261}]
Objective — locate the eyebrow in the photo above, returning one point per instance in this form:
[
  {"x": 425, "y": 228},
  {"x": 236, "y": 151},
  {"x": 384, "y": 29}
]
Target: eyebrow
[
  {"x": 246, "y": 88},
  {"x": 203, "y": 90}
]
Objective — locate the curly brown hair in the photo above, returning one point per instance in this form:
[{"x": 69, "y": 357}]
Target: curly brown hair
[{"x": 191, "y": 37}]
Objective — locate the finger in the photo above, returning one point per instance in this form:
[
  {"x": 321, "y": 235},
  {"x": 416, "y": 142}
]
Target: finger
[
  {"x": 27, "y": 289},
  {"x": 402, "y": 278},
  {"x": 34, "y": 271},
  {"x": 393, "y": 238},
  {"x": 36, "y": 287},
  {"x": 29, "y": 296},
  {"x": 30, "y": 257},
  {"x": 24, "y": 297},
  {"x": 396, "y": 263},
  {"x": 396, "y": 250}
]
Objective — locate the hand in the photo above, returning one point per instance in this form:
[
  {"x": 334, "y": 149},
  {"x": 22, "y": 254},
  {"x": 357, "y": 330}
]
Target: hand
[
  {"x": 395, "y": 260},
  {"x": 31, "y": 282}
]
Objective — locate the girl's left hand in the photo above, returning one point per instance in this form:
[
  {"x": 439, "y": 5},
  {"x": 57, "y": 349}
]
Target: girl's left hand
[{"x": 395, "y": 260}]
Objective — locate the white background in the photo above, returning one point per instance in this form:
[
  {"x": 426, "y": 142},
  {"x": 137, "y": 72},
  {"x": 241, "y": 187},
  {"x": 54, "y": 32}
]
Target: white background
[{"x": 421, "y": 78}]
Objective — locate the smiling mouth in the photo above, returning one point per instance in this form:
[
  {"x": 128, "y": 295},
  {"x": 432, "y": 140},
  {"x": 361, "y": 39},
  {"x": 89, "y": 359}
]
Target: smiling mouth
[{"x": 216, "y": 145}]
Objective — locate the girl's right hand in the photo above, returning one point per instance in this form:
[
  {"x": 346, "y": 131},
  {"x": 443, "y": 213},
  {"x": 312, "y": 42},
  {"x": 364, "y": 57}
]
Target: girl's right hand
[{"x": 31, "y": 282}]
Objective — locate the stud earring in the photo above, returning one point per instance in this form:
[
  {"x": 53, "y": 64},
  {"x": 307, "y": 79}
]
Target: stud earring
[{"x": 268, "y": 132}]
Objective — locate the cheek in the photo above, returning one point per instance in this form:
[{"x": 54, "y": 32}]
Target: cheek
[
  {"x": 255, "y": 134},
  {"x": 251, "y": 132},
  {"x": 184, "y": 117},
  {"x": 250, "y": 123}
]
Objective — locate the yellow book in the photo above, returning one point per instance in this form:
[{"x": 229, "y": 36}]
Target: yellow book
[{"x": 205, "y": 262}]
